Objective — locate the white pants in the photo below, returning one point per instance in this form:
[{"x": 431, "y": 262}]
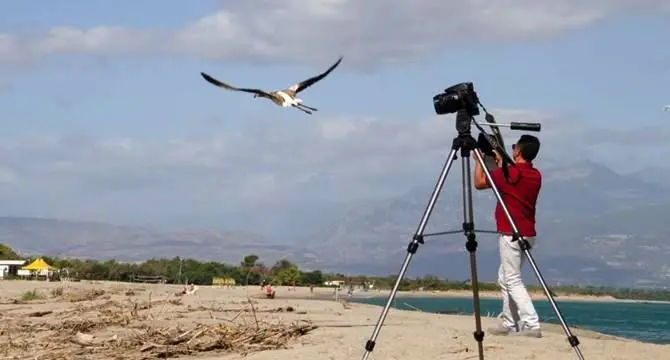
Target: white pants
[{"x": 517, "y": 305}]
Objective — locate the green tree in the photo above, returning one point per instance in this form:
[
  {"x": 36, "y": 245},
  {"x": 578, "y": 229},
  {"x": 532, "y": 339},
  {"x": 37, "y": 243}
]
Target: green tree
[
  {"x": 7, "y": 253},
  {"x": 280, "y": 265},
  {"x": 252, "y": 275},
  {"x": 249, "y": 261},
  {"x": 311, "y": 278},
  {"x": 288, "y": 276}
]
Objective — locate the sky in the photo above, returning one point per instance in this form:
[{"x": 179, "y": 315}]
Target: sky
[{"x": 105, "y": 116}]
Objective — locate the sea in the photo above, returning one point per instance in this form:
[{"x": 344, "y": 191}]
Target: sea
[{"x": 642, "y": 321}]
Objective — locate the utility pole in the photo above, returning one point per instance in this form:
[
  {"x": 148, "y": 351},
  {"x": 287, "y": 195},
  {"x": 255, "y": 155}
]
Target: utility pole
[{"x": 181, "y": 262}]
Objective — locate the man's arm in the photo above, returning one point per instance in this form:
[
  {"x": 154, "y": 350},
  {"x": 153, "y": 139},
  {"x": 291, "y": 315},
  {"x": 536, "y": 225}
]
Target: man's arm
[
  {"x": 480, "y": 177},
  {"x": 481, "y": 182}
]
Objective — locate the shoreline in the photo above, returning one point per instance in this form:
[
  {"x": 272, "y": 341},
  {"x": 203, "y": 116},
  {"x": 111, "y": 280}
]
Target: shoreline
[
  {"x": 535, "y": 296},
  {"x": 399, "y": 305},
  {"x": 329, "y": 293}
]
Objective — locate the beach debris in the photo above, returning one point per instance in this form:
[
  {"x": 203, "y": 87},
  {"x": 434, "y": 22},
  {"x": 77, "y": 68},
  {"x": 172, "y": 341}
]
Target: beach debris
[
  {"x": 245, "y": 309},
  {"x": 204, "y": 338},
  {"x": 85, "y": 295},
  {"x": 39, "y": 313},
  {"x": 94, "y": 324}
]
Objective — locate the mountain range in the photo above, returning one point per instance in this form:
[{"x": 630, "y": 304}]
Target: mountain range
[{"x": 595, "y": 226}]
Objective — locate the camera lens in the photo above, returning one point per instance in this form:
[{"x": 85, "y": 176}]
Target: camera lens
[{"x": 447, "y": 103}]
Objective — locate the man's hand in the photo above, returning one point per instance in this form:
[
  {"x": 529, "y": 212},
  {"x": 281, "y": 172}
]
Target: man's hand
[{"x": 498, "y": 158}]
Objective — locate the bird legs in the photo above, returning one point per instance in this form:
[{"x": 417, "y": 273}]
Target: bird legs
[
  {"x": 305, "y": 108},
  {"x": 308, "y": 107}
]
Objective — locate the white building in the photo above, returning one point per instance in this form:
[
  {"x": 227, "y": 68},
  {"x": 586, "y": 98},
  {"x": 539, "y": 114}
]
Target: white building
[
  {"x": 334, "y": 283},
  {"x": 10, "y": 267}
]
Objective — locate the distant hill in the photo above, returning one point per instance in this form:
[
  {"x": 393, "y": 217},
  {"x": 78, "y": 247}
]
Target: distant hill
[
  {"x": 658, "y": 175},
  {"x": 595, "y": 227},
  {"x": 107, "y": 241}
]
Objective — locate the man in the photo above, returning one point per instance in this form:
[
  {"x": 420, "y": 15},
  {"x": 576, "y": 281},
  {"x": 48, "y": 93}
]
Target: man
[{"x": 519, "y": 191}]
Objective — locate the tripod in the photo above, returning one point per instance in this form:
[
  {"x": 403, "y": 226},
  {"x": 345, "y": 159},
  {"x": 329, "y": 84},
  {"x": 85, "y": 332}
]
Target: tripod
[{"x": 466, "y": 144}]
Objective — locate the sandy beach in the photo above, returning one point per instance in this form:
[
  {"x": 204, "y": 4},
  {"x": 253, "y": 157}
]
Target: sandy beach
[{"x": 106, "y": 320}]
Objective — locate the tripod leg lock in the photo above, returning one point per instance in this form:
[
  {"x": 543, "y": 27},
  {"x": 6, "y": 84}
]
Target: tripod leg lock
[
  {"x": 471, "y": 244},
  {"x": 369, "y": 345},
  {"x": 479, "y": 335},
  {"x": 418, "y": 238},
  {"x": 413, "y": 245},
  {"x": 573, "y": 340}
]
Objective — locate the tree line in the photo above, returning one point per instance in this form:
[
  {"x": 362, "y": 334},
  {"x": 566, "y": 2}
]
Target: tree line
[{"x": 252, "y": 271}]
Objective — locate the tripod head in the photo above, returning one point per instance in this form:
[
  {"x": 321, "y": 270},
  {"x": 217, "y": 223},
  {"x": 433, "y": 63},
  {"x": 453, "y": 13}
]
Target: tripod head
[{"x": 464, "y": 123}]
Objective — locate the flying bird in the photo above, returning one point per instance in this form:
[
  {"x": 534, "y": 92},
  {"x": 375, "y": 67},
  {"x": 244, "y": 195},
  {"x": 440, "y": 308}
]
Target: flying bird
[
  {"x": 285, "y": 97},
  {"x": 667, "y": 108}
]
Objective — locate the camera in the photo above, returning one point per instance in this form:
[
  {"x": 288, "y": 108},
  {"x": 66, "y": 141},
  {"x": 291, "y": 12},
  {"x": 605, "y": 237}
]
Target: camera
[{"x": 455, "y": 98}]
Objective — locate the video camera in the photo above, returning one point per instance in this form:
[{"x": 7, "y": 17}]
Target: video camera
[
  {"x": 457, "y": 97},
  {"x": 463, "y": 100}
]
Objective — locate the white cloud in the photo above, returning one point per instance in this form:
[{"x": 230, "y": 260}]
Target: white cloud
[
  {"x": 99, "y": 40},
  {"x": 217, "y": 178},
  {"x": 366, "y": 32},
  {"x": 266, "y": 164}
]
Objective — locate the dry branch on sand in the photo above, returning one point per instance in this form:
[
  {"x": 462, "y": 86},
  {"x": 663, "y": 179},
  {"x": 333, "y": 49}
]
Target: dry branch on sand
[
  {"x": 166, "y": 342},
  {"x": 203, "y": 338},
  {"x": 121, "y": 328}
]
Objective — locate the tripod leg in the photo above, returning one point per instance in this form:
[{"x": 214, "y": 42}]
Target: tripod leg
[
  {"x": 471, "y": 246},
  {"x": 417, "y": 239},
  {"x": 525, "y": 246}
]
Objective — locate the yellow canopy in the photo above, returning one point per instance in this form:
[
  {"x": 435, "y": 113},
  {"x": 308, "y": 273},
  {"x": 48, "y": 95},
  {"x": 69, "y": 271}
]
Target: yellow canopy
[{"x": 38, "y": 264}]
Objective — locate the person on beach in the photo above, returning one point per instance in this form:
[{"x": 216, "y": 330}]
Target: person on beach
[{"x": 519, "y": 191}]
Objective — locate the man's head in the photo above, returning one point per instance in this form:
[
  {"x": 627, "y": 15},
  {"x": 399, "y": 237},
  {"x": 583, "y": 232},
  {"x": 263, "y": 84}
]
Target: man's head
[{"x": 526, "y": 149}]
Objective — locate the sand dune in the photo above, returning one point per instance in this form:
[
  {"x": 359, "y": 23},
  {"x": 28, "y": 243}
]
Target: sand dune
[{"x": 132, "y": 321}]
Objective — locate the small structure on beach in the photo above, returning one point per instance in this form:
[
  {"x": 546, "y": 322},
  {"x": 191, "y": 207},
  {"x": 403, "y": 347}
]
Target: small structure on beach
[
  {"x": 38, "y": 268},
  {"x": 226, "y": 282},
  {"x": 334, "y": 283},
  {"x": 148, "y": 279},
  {"x": 9, "y": 268}
]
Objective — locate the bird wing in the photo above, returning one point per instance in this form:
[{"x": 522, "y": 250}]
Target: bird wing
[
  {"x": 309, "y": 82},
  {"x": 218, "y": 83},
  {"x": 667, "y": 107}
]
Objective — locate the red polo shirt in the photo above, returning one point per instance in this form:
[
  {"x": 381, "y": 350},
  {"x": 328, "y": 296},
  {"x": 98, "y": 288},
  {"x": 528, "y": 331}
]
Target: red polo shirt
[{"x": 520, "y": 195}]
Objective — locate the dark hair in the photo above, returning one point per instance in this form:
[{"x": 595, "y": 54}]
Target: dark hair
[{"x": 529, "y": 146}]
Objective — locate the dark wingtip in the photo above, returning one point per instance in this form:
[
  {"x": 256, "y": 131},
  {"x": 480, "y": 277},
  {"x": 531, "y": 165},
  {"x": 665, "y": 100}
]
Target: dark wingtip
[
  {"x": 209, "y": 79},
  {"x": 336, "y": 63}
]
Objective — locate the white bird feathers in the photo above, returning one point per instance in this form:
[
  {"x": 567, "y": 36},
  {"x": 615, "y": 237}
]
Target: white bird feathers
[
  {"x": 285, "y": 97},
  {"x": 666, "y": 108}
]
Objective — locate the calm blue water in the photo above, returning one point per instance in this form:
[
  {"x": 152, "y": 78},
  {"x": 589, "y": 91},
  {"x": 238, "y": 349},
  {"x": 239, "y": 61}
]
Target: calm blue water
[{"x": 648, "y": 322}]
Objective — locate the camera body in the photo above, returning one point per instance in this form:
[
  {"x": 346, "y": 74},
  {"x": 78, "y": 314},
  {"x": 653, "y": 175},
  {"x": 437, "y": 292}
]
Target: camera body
[{"x": 457, "y": 97}]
